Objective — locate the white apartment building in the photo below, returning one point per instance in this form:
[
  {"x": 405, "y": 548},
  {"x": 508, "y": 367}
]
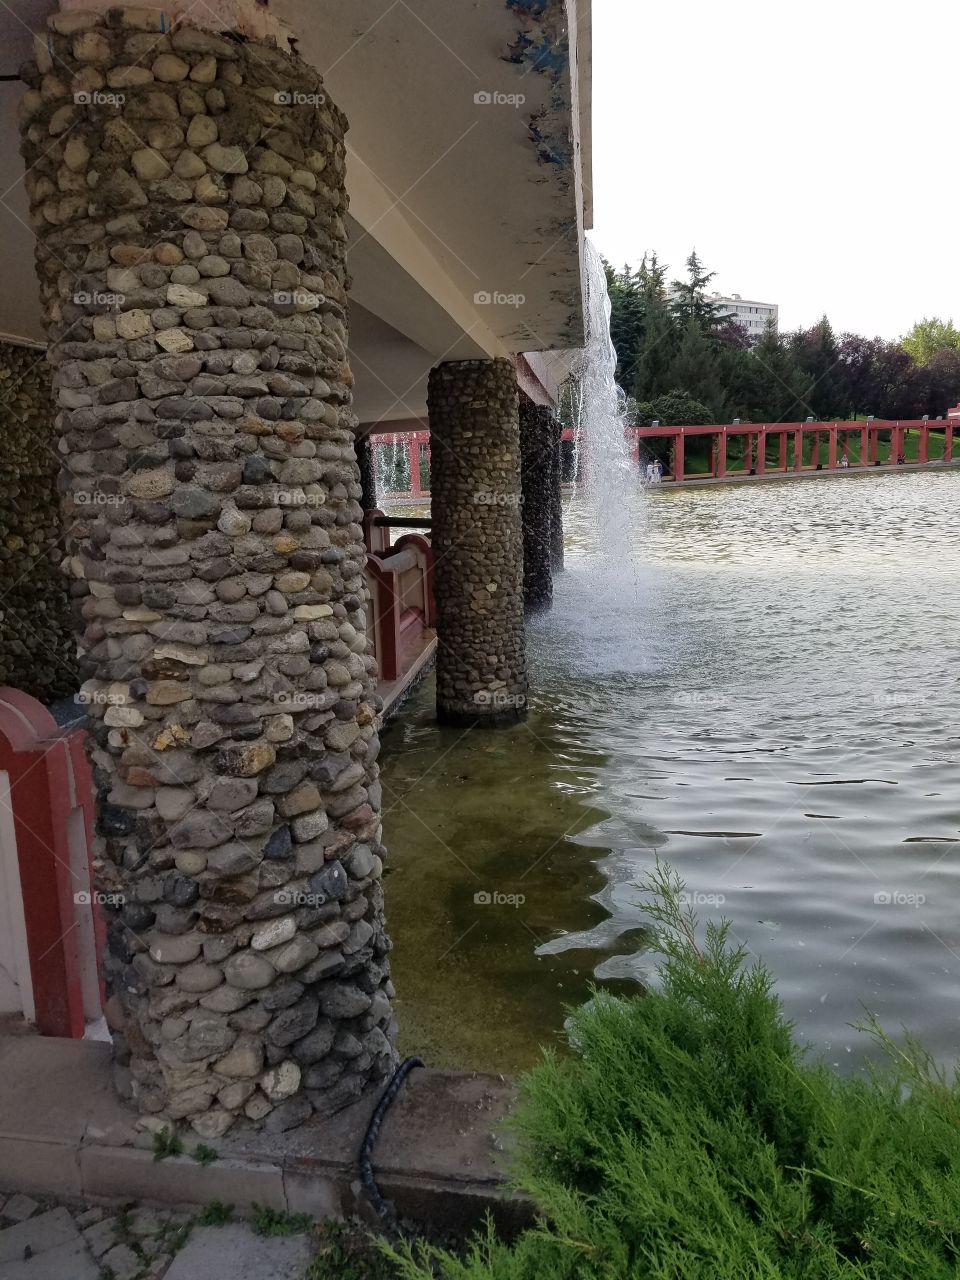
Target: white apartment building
[{"x": 752, "y": 315}]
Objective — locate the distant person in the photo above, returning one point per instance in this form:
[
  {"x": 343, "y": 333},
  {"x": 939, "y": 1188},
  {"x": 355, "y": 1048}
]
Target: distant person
[
  {"x": 844, "y": 461},
  {"x": 657, "y": 471},
  {"x": 900, "y": 459},
  {"x": 649, "y": 473}
]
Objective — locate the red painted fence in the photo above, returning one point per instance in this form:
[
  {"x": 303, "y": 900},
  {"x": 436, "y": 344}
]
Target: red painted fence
[{"x": 756, "y": 437}]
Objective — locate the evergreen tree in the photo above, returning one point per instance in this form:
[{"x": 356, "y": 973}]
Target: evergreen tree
[
  {"x": 695, "y": 370},
  {"x": 770, "y": 385},
  {"x": 689, "y": 298},
  {"x": 817, "y": 354}
]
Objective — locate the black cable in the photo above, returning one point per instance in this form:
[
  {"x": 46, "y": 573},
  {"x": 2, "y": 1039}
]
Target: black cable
[
  {"x": 9, "y": 77},
  {"x": 367, "y": 1180}
]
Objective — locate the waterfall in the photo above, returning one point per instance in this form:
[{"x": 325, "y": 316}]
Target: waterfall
[
  {"x": 390, "y": 467},
  {"x": 610, "y": 483}
]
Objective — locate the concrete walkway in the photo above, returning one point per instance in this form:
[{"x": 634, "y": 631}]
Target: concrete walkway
[
  {"x": 139, "y": 1244},
  {"x": 66, "y": 1138}
]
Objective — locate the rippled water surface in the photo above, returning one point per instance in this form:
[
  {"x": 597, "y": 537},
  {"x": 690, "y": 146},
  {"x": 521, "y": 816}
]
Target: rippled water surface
[{"x": 764, "y": 690}]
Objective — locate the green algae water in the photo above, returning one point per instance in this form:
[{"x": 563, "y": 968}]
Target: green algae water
[{"x": 762, "y": 687}]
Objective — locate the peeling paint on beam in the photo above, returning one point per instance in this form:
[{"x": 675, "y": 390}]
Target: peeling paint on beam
[{"x": 542, "y": 46}]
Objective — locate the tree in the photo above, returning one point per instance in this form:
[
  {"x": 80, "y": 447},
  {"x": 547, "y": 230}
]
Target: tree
[
  {"x": 769, "y": 385},
  {"x": 930, "y": 336},
  {"x": 696, "y": 370},
  {"x": 675, "y": 409},
  {"x": 641, "y": 326},
  {"x": 939, "y": 382},
  {"x": 817, "y": 354},
  {"x": 690, "y": 302}
]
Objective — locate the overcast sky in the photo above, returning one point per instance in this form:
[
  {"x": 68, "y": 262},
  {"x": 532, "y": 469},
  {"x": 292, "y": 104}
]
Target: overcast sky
[{"x": 809, "y": 151}]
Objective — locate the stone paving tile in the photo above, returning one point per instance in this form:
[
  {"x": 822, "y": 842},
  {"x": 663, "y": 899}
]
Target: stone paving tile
[
  {"x": 19, "y": 1207},
  {"x": 101, "y": 1237},
  {"x": 69, "y": 1261},
  {"x": 38, "y": 1234},
  {"x": 122, "y": 1263},
  {"x": 136, "y": 1245},
  {"x": 234, "y": 1252}
]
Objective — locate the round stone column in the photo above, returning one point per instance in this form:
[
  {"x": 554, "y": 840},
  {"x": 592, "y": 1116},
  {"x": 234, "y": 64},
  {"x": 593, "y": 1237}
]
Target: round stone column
[
  {"x": 187, "y": 192},
  {"x": 556, "y": 499},
  {"x": 477, "y": 541},
  {"x": 536, "y": 475},
  {"x": 368, "y": 473}
]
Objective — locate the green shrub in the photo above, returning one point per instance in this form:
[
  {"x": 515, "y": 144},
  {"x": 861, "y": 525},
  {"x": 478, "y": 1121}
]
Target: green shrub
[{"x": 689, "y": 1136}]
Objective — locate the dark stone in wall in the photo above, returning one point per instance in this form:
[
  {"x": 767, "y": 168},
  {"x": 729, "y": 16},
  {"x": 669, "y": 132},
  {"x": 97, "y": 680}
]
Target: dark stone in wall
[
  {"x": 37, "y": 650},
  {"x": 478, "y": 544}
]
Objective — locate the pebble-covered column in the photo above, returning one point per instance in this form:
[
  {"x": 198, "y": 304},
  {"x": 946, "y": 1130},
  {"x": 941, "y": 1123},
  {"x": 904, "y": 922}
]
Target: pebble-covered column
[
  {"x": 368, "y": 474},
  {"x": 478, "y": 543},
  {"x": 187, "y": 192},
  {"x": 556, "y": 499},
  {"x": 537, "y": 449}
]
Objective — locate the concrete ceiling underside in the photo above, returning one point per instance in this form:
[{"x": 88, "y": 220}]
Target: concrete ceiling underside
[{"x": 454, "y": 198}]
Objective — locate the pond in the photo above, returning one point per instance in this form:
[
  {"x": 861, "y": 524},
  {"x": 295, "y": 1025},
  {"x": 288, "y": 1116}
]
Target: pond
[{"x": 760, "y": 687}]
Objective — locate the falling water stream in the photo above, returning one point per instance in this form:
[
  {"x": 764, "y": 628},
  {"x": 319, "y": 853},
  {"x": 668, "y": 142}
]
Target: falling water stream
[
  {"x": 757, "y": 682},
  {"x": 608, "y": 486}
]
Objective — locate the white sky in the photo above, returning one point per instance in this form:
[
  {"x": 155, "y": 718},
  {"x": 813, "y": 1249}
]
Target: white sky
[{"x": 809, "y": 151}]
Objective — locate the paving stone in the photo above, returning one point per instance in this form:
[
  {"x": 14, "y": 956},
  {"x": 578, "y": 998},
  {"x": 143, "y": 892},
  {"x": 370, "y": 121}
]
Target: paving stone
[
  {"x": 69, "y": 1261},
  {"x": 233, "y": 1252},
  {"x": 122, "y": 1263},
  {"x": 101, "y": 1237},
  {"x": 19, "y": 1207},
  {"x": 45, "y": 1231}
]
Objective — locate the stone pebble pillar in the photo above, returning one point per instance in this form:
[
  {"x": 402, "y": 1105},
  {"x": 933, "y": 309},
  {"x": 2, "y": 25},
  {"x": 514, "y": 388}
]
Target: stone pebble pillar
[
  {"x": 556, "y": 499},
  {"x": 537, "y": 448},
  {"x": 187, "y": 192},
  {"x": 478, "y": 543},
  {"x": 368, "y": 474}
]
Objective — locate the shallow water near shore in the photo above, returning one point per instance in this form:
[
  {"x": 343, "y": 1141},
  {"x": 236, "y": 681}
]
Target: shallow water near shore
[{"x": 763, "y": 689}]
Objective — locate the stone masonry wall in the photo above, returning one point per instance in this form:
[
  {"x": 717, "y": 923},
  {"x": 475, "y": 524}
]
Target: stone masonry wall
[
  {"x": 187, "y": 192},
  {"x": 37, "y": 649},
  {"x": 537, "y": 447},
  {"x": 477, "y": 542}
]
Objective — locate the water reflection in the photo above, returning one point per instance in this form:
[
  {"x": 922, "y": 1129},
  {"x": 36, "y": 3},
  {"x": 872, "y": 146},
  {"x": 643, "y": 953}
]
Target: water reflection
[{"x": 770, "y": 701}]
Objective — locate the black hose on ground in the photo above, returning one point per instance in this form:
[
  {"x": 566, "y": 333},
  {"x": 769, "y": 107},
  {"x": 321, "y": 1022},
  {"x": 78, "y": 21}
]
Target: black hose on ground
[{"x": 367, "y": 1180}]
